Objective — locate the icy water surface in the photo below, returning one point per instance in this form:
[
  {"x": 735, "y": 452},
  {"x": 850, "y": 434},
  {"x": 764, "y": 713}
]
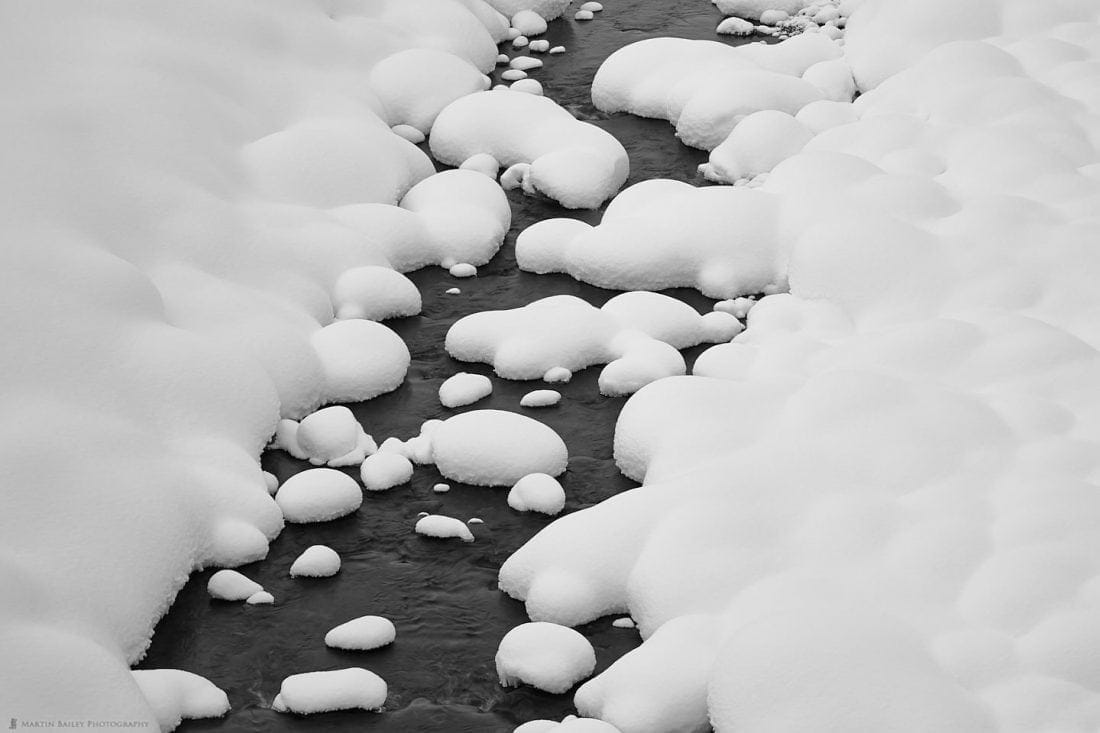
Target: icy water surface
[{"x": 441, "y": 595}]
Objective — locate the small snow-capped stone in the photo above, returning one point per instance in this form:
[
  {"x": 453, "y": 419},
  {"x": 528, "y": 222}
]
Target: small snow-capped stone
[
  {"x": 175, "y": 696},
  {"x": 520, "y": 41},
  {"x": 271, "y": 481},
  {"x": 537, "y": 492},
  {"x": 441, "y": 488},
  {"x": 362, "y": 634},
  {"x": 512, "y": 34},
  {"x": 496, "y": 448},
  {"x": 452, "y": 291},
  {"x": 529, "y": 23},
  {"x": 544, "y": 655},
  {"x": 540, "y": 398},
  {"x": 527, "y": 86},
  {"x": 482, "y": 163},
  {"x": 317, "y": 561},
  {"x": 475, "y": 520},
  {"x": 539, "y": 46},
  {"x": 437, "y": 525},
  {"x": 464, "y": 389},
  {"x": 333, "y": 436},
  {"x": 462, "y": 269},
  {"x": 318, "y": 495},
  {"x": 735, "y": 27},
  {"x": 503, "y": 59},
  {"x": 568, "y": 724},
  {"x": 513, "y": 75},
  {"x": 624, "y": 623},
  {"x": 384, "y": 470},
  {"x": 720, "y": 327},
  {"x": 592, "y": 7},
  {"x": 583, "y": 15},
  {"x": 321, "y": 692},
  {"x": 557, "y": 49},
  {"x": 408, "y": 132},
  {"x": 514, "y": 175},
  {"x": 557, "y": 374},
  {"x": 260, "y": 598},
  {"x": 773, "y": 17},
  {"x": 525, "y": 63},
  {"x": 230, "y": 585},
  {"x": 737, "y": 307}
]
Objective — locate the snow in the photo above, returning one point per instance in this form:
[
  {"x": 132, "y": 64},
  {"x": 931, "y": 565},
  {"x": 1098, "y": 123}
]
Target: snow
[
  {"x": 757, "y": 144},
  {"x": 592, "y": 7},
  {"x": 360, "y": 359},
  {"x": 362, "y": 634},
  {"x": 175, "y": 696},
  {"x": 441, "y": 488},
  {"x": 575, "y": 163},
  {"x": 557, "y": 49},
  {"x": 260, "y": 598},
  {"x": 636, "y": 334},
  {"x": 437, "y": 525},
  {"x": 318, "y": 495},
  {"x": 557, "y": 374},
  {"x": 375, "y": 293},
  {"x": 520, "y": 42},
  {"x": 529, "y": 23},
  {"x": 413, "y": 85},
  {"x": 544, "y": 655},
  {"x": 527, "y": 86},
  {"x": 316, "y": 561},
  {"x": 464, "y": 389},
  {"x": 548, "y": 9},
  {"x": 339, "y": 689},
  {"x": 495, "y": 448},
  {"x": 229, "y": 585},
  {"x": 661, "y": 234},
  {"x": 735, "y": 27},
  {"x": 331, "y": 436},
  {"x": 583, "y": 15},
  {"x": 568, "y": 724},
  {"x": 624, "y": 623},
  {"x": 537, "y": 492},
  {"x": 513, "y": 75},
  {"x": 525, "y": 63},
  {"x": 755, "y": 9},
  {"x": 540, "y": 398},
  {"x": 384, "y": 470},
  {"x": 540, "y": 46}
]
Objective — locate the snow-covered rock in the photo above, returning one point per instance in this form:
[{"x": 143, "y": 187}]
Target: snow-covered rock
[
  {"x": 175, "y": 696},
  {"x": 360, "y": 359},
  {"x": 316, "y": 561},
  {"x": 576, "y": 163},
  {"x": 464, "y": 389},
  {"x": 442, "y": 527},
  {"x": 537, "y": 492},
  {"x": 529, "y": 23},
  {"x": 331, "y": 436},
  {"x": 540, "y": 398},
  {"x": 230, "y": 585},
  {"x": 318, "y": 495},
  {"x": 375, "y": 293},
  {"x": 384, "y": 470},
  {"x": 362, "y": 634},
  {"x": 495, "y": 448},
  {"x": 322, "y": 692},
  {"x": 544, "y": 655}
]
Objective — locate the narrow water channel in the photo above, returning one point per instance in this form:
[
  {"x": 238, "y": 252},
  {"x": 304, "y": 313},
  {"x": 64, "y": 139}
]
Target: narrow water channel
[{"x": 441, "y": 595}]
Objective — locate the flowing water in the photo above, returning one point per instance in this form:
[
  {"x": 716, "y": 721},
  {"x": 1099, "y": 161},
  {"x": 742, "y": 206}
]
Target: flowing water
[{"x": 441, "y": 595}]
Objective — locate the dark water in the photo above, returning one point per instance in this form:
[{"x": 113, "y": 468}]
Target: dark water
[{"x": 441, "y": 595}]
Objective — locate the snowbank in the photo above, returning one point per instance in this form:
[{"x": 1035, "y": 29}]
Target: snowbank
[
  {"x": 635, "y": 334},
  {"x": 873, "y": 507},
  {"x": 575, "y": 163},
  {"x": 547, "y": 656}
]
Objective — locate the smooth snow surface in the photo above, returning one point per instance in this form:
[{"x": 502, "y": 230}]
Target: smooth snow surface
[
  {"x": 339, "y": 689},
  {"x": 437, "y": 525},
  {"x": 544, "y": 655},
  {"x": 331, "y": 436},
  {"x": 636, "y": 334},
  {"x": 568, "y": 724},
  {"x": 175, "y": 696},
  {"x": 362, "y": 634},
  {"x": 495, "y": 448},
  {"x": 576, "y": 163},
  {"x": 464, "y": 389},
  {"x": 229, "y": 585},
  {"x": 318, "y": 495},
  {"x": 540, "y": 398},
  {"x": 375, "y": 293},
  {"x": 316, "y": 561},
  {"x": 537, "y": 492},
  {"x": 384, "y": 470}
]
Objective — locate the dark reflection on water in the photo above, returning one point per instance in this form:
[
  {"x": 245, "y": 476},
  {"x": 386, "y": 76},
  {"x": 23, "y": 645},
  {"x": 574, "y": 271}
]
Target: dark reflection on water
[{"x": 441, "y": 595}]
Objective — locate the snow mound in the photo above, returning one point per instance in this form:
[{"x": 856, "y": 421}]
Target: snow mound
[
  {"x": 753, "y": 9},
  {"x": 437, "y": 525},
  {"x": 575, "y": 163},
  {"x": 757, "y": 144},
  {"x": 175, "y": 696},
  {"x": 635, "y": 334},
  {"x": 322, "y": 692},
  {"x": 450, "y": 217},
  {"x": 464, "y": 389},
  {"x": 540, "y": 398},
  {"x": 229, "y": 585},
  {"x": 548, "y": 9},
  {"x": 661, "y": 234},
  {"x": 413, "y": 85},
  {"x": 568, "y": 724},
  {"x": 362, "y": 634},
  {"x": 529, "y": 23},
  {"x": 331, "y": 436},
  {"x": 375, "y": 293},
  {"x": 537, "y": 492},
  {"x": 544, "y": 655},
  {"x": 384, "y": 470},
  {"x": 316, "y": 561},
  {"x": 360, "y": 359},
  {"x": 318, "y": 495},
  {"x": 487, "y": 447}
]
